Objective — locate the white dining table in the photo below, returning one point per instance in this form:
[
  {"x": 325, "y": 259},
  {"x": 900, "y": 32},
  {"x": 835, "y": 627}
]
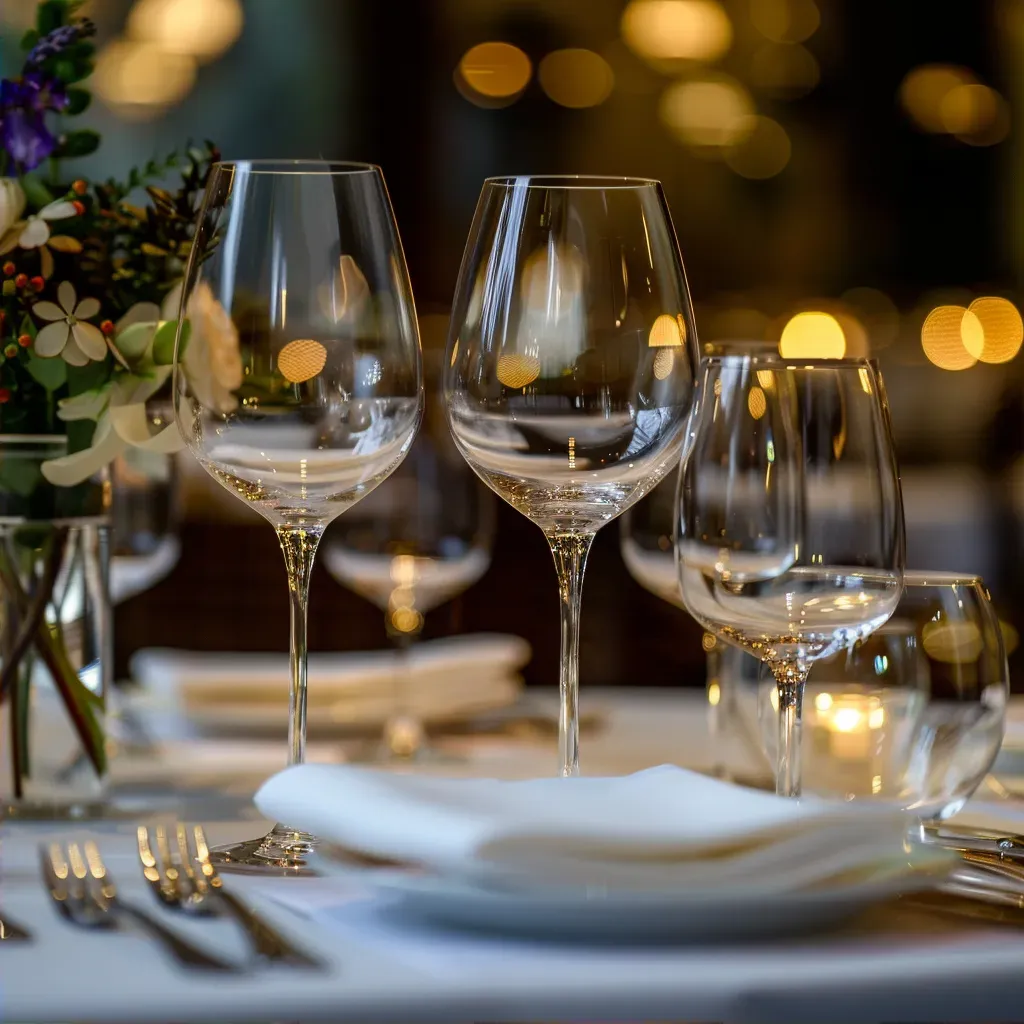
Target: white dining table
[{"x": 896, "y": 963}]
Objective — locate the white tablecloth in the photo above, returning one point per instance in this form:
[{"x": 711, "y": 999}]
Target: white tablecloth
[{"x": 891, "y": 966}]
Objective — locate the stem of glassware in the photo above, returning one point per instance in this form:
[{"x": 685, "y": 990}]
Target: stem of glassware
[
  {"x": 299, "y": 545},
  {"x": 403, "y": 731},
  {"x": 790, "y": 677},
  {"x": 570, "y": 552}
]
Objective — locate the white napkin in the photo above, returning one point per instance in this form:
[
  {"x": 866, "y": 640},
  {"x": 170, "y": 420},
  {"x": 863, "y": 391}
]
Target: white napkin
[{"x": 663, "y": 826}]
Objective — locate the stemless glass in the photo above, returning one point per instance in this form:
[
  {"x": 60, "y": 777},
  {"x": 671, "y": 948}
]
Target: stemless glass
[
  {"x": 790, "y": 542},
  {"x": 298, "y": 382},
  {"x": 570, "y": 366},
  {"x": 914, "y": 713},
  {"x": 418, "y": 541}
]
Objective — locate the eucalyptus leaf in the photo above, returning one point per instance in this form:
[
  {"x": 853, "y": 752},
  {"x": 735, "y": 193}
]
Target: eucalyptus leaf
[
  {"x": 51, "y": 373},
  {"x": 50, "y": 15},
  {"x": 87, "y": 378},
  {"x": 78, "y": 100},
  {"x": 80, "y": 143},
  {"x": 36, "y": 191},
  {"x": 20, "y": 476}
]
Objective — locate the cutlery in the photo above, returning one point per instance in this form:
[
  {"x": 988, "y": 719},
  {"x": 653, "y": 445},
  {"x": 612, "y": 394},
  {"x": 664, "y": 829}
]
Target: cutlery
[
  {"x": 173, "y": 876},
  {"x": 11, "y": 931},
  {"x": 85, "y": 894}
]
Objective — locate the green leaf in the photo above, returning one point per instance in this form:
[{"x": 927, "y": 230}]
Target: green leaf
[
  {"x": 80, "y": 143},
  {"x": 134, "y": 341},
  {"x": 69, "y": 70},
  {"x": 51, "y": 373},
  {"x": 88, "y": 377},
  {"x": 20, "y": 476},
  {"x": 79, "y": 433},
  {"x": 29, "y": 39},
  {"x": 36, "y": 191},
  {"x": 50, "y": 15},
  {"x": 163, "y": 343},
  {"x": 27, "y": 326},
  {"x": 78, "y": 100}
]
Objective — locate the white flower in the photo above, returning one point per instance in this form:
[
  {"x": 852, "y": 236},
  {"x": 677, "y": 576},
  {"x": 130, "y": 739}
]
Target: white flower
[
  {"x": 12, "y": 203},
  {"x": 212, "y": 359},
  {"x": 69, "y": 335},
  {"x": 34, "y": 231}
]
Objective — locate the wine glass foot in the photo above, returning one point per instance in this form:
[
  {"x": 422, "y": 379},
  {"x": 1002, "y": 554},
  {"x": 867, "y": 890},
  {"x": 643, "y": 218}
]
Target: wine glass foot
[
  {"x": 384, "y": 754},
  {"x": 282, "y": 851}
]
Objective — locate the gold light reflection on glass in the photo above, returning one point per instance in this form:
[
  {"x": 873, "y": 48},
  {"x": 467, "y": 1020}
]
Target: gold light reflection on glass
[
  {"x": 667, "y": 331},
  {"x": 942, "y": 338},
  {"x": 823, "y": 701},
  {"x": 974, "y": 111},
  {"x": 784, "y": 70},
  {"x": 766, "y": 378},
  {"x": 785, "y": 21},
  {"x": 455, "y": 353},
  {"x": 714, "y": 694},
  {"x": 141, "y": 80},
  {"x": 812, "y": 335},
  {"x": 1011, "y": 637},
  {"x": 708, "y": 641},
  {"x": 763, "y": 150},
  {"x": 669, "y": 30},
  {"x": 707, "y": 112},
  {"x": 925, "y": 88},
  {"x": 757, "y": 404},
  {"x": 203, "y": 29},
  {"x": 517, "y": 371},
  {"x": 494, "y": 72},
  {"x": 1001, "y": 333},
  {"x": 576, "y": 78},
  {"x": 865, "y": 381},
  {"x": 664, "y": 361},
  {"x": 954, "y": 643},
  {"x": 301, "y": 360}
]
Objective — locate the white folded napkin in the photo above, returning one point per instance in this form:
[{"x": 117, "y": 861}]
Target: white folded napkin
[{"x": 663, "y": 826}]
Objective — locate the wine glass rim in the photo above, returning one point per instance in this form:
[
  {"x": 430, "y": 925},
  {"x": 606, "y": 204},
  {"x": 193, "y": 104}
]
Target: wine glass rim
[
  {"x": 271, "y": 166},
  {"x": 940, "y": 578},
  {"x": 571, "y": 181},
  {"x": 778, "y": 362}
]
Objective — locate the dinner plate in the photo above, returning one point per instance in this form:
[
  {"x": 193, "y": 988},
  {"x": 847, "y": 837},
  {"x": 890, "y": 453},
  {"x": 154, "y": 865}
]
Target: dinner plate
[{"x": 599, "y": 915}]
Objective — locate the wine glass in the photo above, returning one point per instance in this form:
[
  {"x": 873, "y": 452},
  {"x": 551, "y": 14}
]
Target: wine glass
[
  {"x": 298, "y": 382},
  {"x": 418, "y": 541},
  {"x": 790, "y": 542},
  {"x": 570, "y": 366},
  {"x": 912, "y": 714}
]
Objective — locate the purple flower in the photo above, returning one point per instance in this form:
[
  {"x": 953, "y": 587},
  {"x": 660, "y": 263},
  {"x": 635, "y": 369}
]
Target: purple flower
[
  {"x": 59, "y": 39},
  {"x": 23, "y": 131}
]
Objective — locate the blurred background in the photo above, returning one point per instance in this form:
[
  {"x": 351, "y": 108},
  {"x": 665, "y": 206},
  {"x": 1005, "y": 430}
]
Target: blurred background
[{"x": 844, "y": 177}]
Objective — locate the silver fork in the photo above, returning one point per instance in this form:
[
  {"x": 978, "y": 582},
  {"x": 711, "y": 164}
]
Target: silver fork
[
  {"x": 171, "y": 873},
  {"x": 86, "y": 895}
]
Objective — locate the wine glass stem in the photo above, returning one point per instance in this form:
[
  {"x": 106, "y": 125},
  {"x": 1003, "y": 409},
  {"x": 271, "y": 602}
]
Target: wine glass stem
[
  {"x": 789, "y": 680},
  {"x": 570, "y": 552},
  {"x": 299, "y": 545}
]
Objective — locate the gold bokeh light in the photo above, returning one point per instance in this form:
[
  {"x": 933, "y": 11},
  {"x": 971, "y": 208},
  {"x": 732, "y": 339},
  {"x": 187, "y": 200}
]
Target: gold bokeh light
[
  {"x": 812, "y": 335},
  {"x": 667, "y": 331},
  {"x": 763, "y": 151},
  {"x": 784, "y": 70},
  {"x": 757, "y": 404},
  {"x": 576, "y": 78},
  {"x": 301, "y": 360},
  {"x": 516, "y": 370},
  {"x": 708, "y": 112},
  {"x": 203, "y": 29},
  {"x": 943, "y": 337},
  {"x": 672, "y": 30},
  {"x": 975, "y": 114},
  {"x": 785, "y": 21},
  {"x": 925, "y": 89},
  {"x": 140, "y": 80},
  {"x": 664, "y": 361},
  {"x": 494, "y": 73},
  {"x": 1002, "y": 330}
]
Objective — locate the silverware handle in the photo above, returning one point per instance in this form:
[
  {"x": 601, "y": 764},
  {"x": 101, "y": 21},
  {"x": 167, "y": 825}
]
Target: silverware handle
[
  {"x": 267, "y": 942},
  {"x": 11, "y": 931},
  {"x": 182, "y": 951}
]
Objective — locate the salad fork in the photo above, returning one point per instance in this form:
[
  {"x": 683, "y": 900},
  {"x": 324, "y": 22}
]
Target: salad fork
[
  {"x": 85, "y": 894},
  {"x": 184, "y": 878}
]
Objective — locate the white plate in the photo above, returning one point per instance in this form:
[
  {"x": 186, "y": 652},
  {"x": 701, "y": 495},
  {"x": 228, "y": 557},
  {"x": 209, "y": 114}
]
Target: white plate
[{"x": 603, "y": 916}]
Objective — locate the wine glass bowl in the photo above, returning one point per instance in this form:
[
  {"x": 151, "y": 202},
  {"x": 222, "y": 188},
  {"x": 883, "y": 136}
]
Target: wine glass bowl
[
  {"x": 297, "y": 370},
  {"x": 570, "y": 364},
  {"x": 790, "y": 541}
]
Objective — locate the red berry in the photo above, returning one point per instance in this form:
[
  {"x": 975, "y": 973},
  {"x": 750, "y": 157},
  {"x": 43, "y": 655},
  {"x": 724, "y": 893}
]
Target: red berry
[
  {"x": 107, "y": 327},
  {"x": 38, "y": 284},
  {"x": 5, "y": 395},
  {"x": 9, "y": 268},
  {"x": 79, "y": 207},
  {"x": 21, "y": 280},
  {"x": 10, "y": 350},
  {"x": 24, "y": 340},
  {"x": 79, "y": 187}
]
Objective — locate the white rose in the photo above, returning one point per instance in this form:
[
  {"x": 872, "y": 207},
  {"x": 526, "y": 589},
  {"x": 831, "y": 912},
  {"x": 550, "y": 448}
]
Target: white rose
[{"x": 12, "y": 203}]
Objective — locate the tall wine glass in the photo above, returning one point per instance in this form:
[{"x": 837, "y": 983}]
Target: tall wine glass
[
  {"x": 790, "y": 542},
  {"x": 570, "y": 366},
  {"x": 298, "y": 381},
  {"x": 418, "y": 541}
]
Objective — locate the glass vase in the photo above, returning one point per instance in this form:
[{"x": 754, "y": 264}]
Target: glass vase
[{"x": 56, "y": 650}]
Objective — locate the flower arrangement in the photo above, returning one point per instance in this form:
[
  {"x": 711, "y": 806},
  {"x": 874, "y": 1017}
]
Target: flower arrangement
[{"x": 89, "y": 290}]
